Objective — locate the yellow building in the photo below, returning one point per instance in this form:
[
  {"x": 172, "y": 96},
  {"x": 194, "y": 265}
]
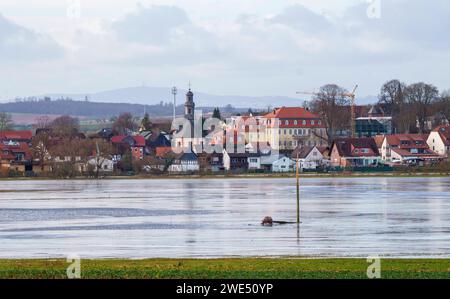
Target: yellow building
[{"x": 288, "y": 127}]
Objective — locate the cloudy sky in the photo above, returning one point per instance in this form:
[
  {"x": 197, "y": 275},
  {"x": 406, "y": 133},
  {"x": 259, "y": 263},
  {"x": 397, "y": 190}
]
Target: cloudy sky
[{"x": 242, "y": 47}]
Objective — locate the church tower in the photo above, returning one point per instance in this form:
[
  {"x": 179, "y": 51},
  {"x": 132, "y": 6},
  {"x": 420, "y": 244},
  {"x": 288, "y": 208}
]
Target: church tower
[{"x": 189, "y": 105}]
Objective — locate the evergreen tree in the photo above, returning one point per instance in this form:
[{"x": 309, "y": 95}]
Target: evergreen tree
[
  {"x": 216, "y": 113},
  {"x": 146, "y": 124}
]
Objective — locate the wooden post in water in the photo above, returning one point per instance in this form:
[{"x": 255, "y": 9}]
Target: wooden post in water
[{"x": 298, "y": 190}]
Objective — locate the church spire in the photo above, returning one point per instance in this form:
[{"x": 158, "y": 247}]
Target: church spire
[{"x": 189, "y": 105}]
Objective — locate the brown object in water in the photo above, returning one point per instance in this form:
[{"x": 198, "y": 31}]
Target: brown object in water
[{"x": 267, "y": 221}]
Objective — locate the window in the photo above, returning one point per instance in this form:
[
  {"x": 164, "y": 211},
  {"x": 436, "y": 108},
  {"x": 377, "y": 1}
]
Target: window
[
  {"x": 304, "y": 122},
  {"x": 286, "y": 123},
  {"x": 290, "y": 132},
  {"x": 312, "y": 122},
  {"x": 319, "y": 122}
]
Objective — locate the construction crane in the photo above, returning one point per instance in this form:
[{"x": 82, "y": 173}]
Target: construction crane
[{"x": 352, "y": 97}]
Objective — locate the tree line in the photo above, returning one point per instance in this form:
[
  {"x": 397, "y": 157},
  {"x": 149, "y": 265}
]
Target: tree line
[{"x": 414, "y": 108}]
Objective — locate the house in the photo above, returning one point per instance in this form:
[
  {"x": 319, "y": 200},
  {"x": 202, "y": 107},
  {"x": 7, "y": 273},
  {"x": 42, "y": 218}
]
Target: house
[
  {"x": 155, "y": 140},
  {"x": 103, "y": 165},
  {"x": 379, "y": 139},
  {"x": 310, "y": 157},
  {"x": 354, "y": 152},
  {"x": 210, "y": 162},
  {"x": 277, "y": 163},
  {"x": 234, "y": 161},
  {"x": 288, "y": 127},
  {"x": 185, "y": 163},
  {"x": 15, "y": 156},
  {"x": 134, "y": 144},
  {"x": 439, "y": 140},
  {"x": 407, "y": 148}
]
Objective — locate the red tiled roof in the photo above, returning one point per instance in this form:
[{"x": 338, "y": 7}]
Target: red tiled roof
[
  {"x": 396, "y": 140},
  {"x": 117, "y": 139},
  {"x": 163, "y": 151},
  {"x": 140, "y": 140},
  {"x": 379, "y": 139},
  {"x": 292, "y": 112},
  {"x": 16, "y": 135}
]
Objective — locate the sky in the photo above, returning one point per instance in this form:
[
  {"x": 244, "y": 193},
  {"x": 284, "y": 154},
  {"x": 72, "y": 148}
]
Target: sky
[{"x": 224, "y": 47}]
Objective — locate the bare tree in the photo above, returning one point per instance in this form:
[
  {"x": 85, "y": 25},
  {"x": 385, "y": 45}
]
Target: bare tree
[
  {"x": 5, "y": 121},
  {"x": 442, "y": 108},
  {"x": 393, "y": 99},
  {"x": 40, "y": 148},
  {"x": 43, "y": 122},
  {"x": 331, "y": 104},
  {"x": 101, "y": 151},
  {"x": 65, "y": 126},
  {"x": 124, "y": 124},
  {"x": 421, "y": 96}
]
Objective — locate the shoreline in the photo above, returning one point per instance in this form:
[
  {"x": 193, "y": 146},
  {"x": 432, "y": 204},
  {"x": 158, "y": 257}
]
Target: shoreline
[{"x": 242, "y": 176}]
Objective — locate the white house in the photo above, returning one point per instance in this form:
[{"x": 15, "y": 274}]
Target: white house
[
  {"x": 283, "y": 164},
  {"x": 277, "y": 163},
  {"x": 106, "y": 165},
  {"x": 310, "y": 157},
  {"x": 439, "y": 140},
  {"x": 184, "y": 163}
]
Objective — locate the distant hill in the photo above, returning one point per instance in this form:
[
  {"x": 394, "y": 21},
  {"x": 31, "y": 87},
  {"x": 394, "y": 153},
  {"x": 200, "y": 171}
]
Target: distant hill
[
  {"x": 154, "y": 95},
  {"x": 96, "y": 109}
]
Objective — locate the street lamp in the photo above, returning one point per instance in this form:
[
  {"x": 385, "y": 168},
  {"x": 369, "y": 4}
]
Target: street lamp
[{"x": 174, "y": 92}]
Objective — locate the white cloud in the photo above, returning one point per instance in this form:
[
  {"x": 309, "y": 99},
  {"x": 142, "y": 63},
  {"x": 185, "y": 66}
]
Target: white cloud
[{"x": 19, "y": 44}]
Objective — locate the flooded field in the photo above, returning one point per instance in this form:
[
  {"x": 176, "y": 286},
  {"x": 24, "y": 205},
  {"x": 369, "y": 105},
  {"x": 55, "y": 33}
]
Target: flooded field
[{"x": 357, "y": 217}]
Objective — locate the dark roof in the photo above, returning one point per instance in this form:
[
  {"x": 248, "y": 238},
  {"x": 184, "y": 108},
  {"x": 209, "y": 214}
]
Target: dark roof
[
  {"x": 159, "y": 140},
  {"x": 187, "y": 157},
  {"x": 302, "y": 151},
  {"x": 346, "y": 146}
]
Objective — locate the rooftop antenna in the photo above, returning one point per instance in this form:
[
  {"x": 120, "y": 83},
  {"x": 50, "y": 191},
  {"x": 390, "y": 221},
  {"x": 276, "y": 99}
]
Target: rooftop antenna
[{"x": 174, "y": 92}]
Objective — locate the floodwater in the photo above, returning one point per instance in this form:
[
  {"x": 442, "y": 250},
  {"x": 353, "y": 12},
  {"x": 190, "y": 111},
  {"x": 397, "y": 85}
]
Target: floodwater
[{"x": 341, "y": 217}]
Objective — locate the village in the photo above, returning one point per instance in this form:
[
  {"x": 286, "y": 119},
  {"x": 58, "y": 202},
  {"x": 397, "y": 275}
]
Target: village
[{"x": 270, "y": 142}]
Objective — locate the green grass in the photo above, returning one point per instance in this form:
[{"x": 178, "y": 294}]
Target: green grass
[{"x": 251, "y": 268}]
